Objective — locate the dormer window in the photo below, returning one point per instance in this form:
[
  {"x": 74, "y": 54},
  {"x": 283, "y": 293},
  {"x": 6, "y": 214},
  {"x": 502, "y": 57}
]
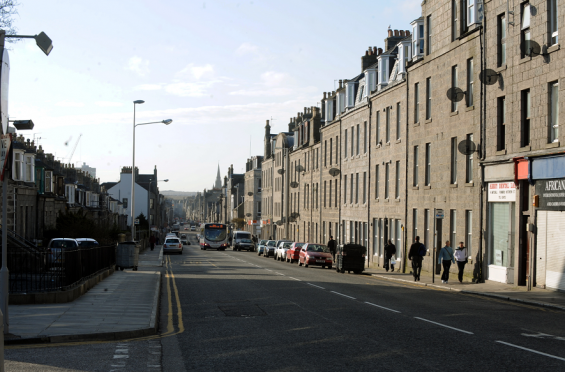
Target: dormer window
[
  {"x": 418, "y": 37},
  {"x": 350, "y": 94},
  {"x": 48, "y": 181},
  {"x": 371, "y": 81},
  {"x": 29, "y": 168},
  {"x": 329, "y": 110},
  {"x": 341, "y": 102},
  {"x": 404, "y": 55},
  {"x": 384, "y": 70},
  {"x": 18, "y": 166}
]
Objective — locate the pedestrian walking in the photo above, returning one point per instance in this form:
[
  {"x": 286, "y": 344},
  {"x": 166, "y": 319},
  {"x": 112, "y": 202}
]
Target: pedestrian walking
[
  {"x": 461, "y": 258},
  {"x": 152, "y": 241},
  {"x": 445, "y": 258},
  {"x": 390, "y": 250},
  {"x": 332, "y": 246},
  {"x": 416, "y": 255}
]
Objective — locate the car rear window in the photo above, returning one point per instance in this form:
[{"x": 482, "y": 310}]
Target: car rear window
[
  {"x": 63, "y": 244},
  {"x": 172, "y": 241},
  {"x": 242, "y": 235}
]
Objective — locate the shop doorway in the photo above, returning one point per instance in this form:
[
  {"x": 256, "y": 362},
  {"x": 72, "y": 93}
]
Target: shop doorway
[{"x": 438, "y": 243}]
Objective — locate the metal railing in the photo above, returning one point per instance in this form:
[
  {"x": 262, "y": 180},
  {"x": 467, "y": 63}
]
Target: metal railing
[{"x": 58, "y": 269}]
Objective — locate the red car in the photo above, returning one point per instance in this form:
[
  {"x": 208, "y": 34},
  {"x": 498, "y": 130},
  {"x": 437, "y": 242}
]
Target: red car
[
  {"x": 315, "y": 254},
  {"x": 293, "y": 252}
]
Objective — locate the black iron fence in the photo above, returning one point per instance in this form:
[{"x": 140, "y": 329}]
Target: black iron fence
[{"x": 56, "y": 269}]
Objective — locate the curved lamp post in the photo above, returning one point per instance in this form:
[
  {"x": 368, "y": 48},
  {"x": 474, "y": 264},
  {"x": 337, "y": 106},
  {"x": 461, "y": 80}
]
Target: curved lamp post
[{"x": 166, "y": 122}]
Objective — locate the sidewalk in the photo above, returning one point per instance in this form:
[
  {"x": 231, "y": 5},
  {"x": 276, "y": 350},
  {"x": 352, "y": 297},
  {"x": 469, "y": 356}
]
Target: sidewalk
[
  {"x": 121, "y": 306},
  {"x": 509, "y": 292}
]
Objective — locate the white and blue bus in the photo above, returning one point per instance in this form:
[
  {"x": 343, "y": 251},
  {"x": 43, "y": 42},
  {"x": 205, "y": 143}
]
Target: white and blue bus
[{"x": 214, "y": 235}]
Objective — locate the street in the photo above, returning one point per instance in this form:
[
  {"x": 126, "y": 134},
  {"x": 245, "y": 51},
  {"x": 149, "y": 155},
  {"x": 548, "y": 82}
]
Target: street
[{"x": 236, "y": 311}]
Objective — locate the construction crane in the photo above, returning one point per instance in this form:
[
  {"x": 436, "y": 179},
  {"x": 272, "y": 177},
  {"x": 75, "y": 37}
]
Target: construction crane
[{"x": 74, "y": 148}]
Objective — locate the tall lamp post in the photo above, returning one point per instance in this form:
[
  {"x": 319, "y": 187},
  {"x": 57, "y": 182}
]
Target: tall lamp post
[{"x": 166, "y": 122}]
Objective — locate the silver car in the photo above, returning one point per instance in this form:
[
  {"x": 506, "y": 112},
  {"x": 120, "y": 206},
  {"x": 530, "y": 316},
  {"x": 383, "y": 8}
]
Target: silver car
[
  {"x": 280, "y": 252},
  {"x": 270, "y": 248},
  {"x": 261, "y": 246},
  {"x": 57, "y": 249},
  {"x": 172, "y": 245}
]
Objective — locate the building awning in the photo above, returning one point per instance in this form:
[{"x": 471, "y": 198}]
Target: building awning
[{"x": 548, "y": 167}]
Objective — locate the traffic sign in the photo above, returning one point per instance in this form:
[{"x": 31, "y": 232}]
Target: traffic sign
[
  {"x": 136, "y": 221},
  {"x": 439, "y": 213}
]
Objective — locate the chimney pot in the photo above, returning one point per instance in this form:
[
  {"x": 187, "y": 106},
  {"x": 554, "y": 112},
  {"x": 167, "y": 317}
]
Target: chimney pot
[
  {"x": 389, "y": 32},
  {"x": 401, "y": 32},
  {"x": 333, "y": 93},
  {"x": 380, "y": 51},
  {"x": 407, "y": 32},
  {"x": 267, "y": 122},
  {"x": 324, "y": 95},
  {"x": 340, "y": 82},
  {"x": 374, "y": 50},
  {"x": 395, "y": 32},
  {"x": 305, "y": 110},
  {"x": 366, "y": 52}
]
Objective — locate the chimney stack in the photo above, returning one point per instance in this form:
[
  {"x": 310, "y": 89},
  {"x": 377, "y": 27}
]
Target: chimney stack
[
  {"x": 396, "y": 33},
  {"x": 380, "y": 51},
  {"x": 402, "y": 33},
  {"x": 407, "y": 32},
  {"x": 389, "y": 32},
  {"x": 340, "y": 84}
]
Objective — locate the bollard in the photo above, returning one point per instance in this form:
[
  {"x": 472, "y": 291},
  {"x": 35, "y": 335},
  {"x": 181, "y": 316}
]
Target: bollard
[{"x": 1, "y": 341}]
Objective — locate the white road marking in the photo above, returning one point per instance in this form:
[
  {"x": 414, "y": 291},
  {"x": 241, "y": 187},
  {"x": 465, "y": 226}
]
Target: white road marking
[
  {"x": 279, "y": 274},
  {"x": 446, "y": 326},
  {"x": 314, "y": 285},
  {"x": 382, "y": 307},
  {"x": 295, "y": 278},
  {"x": 531, "y": 351},
  {"x": 341, "y": 294}
]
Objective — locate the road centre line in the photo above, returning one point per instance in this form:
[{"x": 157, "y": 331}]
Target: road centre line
[
  {"x": 314, "y": 285},
  {"x": 531, "y": 351},
  {"x": 443, "y": 325},
  {"x": 295, "y": 278},
  {"x": 341, "y": 294},
  {"x": 382, "y": 307}
]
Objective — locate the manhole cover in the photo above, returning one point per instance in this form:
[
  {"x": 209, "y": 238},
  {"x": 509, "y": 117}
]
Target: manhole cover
[{"x": 242, "y": 310}]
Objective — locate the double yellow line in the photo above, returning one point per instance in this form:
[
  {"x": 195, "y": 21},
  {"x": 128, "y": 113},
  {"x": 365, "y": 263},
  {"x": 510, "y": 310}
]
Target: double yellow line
[{"x": 170, "y": 276}]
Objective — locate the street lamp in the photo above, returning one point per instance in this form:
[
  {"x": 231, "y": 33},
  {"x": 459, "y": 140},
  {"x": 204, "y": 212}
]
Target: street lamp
[
  {"x": 148, "y": 198},
  {"x": 166, "y": 122}
]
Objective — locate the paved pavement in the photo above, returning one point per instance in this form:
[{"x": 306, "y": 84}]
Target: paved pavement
[
  {"x": 123, "y": 305},
  {"x": 537, "y": 296}
]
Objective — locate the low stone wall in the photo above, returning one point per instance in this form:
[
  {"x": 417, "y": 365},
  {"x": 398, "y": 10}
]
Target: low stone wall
[{"x": 59, "y": 297}]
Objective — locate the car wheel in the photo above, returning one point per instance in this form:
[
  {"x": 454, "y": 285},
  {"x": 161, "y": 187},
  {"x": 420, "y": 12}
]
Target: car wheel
[
  {"x": 323, "y": 266},
  {"x": 330, "y": 267},
  {"x": 299, "y": 262},
  {"x": 342, "y": 270}
]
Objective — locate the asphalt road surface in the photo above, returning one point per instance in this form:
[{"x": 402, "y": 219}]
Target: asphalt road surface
[{"x": 236, "y": 311}]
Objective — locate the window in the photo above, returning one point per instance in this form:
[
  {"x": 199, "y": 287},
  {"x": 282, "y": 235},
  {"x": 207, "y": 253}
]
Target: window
[
  {"x": 336, "y": 148},
  {"x": 501, "y": 124},
  {"x": 397, "y": 182},
  {"x": 331, "y": 151},
  {"x": 525, "y": 30},
  {"x": 469, "y": 163},
  {"x": 470, "y": 12},
  {"x": 421, "y": 39},
  {"x": 453, "y": 86},
  {"x": 365, "y": 137},
  {"x": 469, "y": 232},
  {"x": 554, "y": 112},
  {"x": 428, "y": 172},
  {"x": 48, "y": 181},
  {"x": 470, "y": 80},
  {"x": 428, "y": 98},
  {"x": 398, "y": 125},
  {"x": 454, "y": 19},
  {"x": 329, "y": 193},
  {"x": 462, "y": 17},
  {"x": 414, "y": 224},
  {"x": 553, "y": 22},
  {"x": 353, "y": 140},
  {"x": 376, "y": 181},
  {"x": 427, "y": 228},
  {"x": 416, "y": 165},
  {"x": 325, "y": 195},
  {"x": 429, "y": 34},
  {"x": 501, "y": 42},
  {"x": 387, "y": 123},
  {"x": 345, "y": 189},
  {"x": 335, "y": 201},
  {"x": 351, "y": 188},
  {"x": 357, "y": 139},
  {"x": 453, "y": 227},
  {"x": 345, "y": 144},
  {"x": 454, "y": 160},
  {"x": 18, "y": 166},
  {"x": 416, "y": 103},
  {"x": 378, "y": 132},
  {"x": 29, "y": 168},
  {"x": 525, "y": 129},
  {"x": 325, "y": 153},
  {"x": 387, "y": 175},
  {"x": 364, "y": 187}
]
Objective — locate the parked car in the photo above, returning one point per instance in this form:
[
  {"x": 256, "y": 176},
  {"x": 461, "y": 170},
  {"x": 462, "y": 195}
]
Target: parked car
[
  {"x": 87, "y": 242},
  {"x": 270, "y": 248},
  {"x": 316, "y": 255},
  {"x": 193, "y": 228},
  {"x": 280, "y": 252},
  {"x": 246, "y": 244},
  {"x": 261, "y": 246},
  {"x": 293, "y": 252},
  {"x": 56, "y": 250},
  {"x": 172, "y": 245}
]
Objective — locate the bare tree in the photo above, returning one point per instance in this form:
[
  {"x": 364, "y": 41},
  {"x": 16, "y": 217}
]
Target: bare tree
[{"x": 7, "y": 12}]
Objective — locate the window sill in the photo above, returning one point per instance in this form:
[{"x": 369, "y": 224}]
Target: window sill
[
  {"x": 553, "y": 48},
  {"x": 379, "y": 146},
  {"x": 470, "y": 108},
  {"x": 454, "y": 185},
  {"x": 524, "y": 60},
  {"x": 552, "y": 145},
  {"x": 387, "y": 144},
  {"x": 470, "y": 184},
  {"x": 398, "y": 141},
  {"x": 417, "y": 124},
  {"x": 377, "y": 200},
  {"x": 525, "y": 148},
  {"x": 454, "y": 113},
  {"x": 500, "y": 152},
  {"x": 428, "y": 121},
  {"x": 397, "y": 200},
  {"x": 427, "y": 187},
  {"x": 386, "y": 200},
  {"x": 500, "y": 69},
  {"x": 415, "y": 188}
]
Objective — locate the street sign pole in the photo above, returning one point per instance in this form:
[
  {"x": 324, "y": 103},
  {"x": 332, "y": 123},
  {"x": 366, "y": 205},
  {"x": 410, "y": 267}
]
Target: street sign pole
[{"x": 434, "y": 250}]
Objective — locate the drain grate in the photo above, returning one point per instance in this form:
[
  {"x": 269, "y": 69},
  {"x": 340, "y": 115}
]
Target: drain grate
[{"x": 242, "y": 310}]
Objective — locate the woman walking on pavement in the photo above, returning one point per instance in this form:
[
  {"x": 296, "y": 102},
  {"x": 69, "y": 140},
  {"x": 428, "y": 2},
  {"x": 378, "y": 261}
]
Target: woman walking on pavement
[
  {"x": 390, "y": 250},
  {"x": 445, "y": 258},
  {"x": 461, "y": 257}
]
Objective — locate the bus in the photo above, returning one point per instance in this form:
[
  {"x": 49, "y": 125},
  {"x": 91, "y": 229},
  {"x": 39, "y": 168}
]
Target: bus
[{"x": 214, "y": 235}]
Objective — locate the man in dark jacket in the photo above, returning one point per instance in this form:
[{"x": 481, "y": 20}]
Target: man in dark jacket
[
  {"x": 390, "y": 250},
  {"x": 332, "y": 246},
  {"x": 416, "y": 254}
]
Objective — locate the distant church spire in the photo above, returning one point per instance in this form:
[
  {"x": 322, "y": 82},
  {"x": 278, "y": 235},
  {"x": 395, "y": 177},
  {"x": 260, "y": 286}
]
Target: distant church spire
[{"x": 218, "y": 184}]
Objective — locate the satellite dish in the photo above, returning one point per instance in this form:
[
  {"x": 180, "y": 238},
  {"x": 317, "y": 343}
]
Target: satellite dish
[
  {"x": 279, "y": 222},
  {"x": 295, "y": 215},
  {"x": 530, "y": 48},
  {"x": 334, "y": 172},
  {"x": 299, "y": 168},
  {"x": 467, "y": 147},
  {"x": 248, "y": 214},
  {"x": 294, "y": 185},
  {"x": 280, "y": 171},
  {"x": 291, "y": 219},
  {"x": 455, "y": 94},
  {"x": 488, "y": 76},
  {"x": 250, "y": 193}
]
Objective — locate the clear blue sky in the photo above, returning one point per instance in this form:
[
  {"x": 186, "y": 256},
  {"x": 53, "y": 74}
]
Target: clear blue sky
[{"x": 219, "y": 69}]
